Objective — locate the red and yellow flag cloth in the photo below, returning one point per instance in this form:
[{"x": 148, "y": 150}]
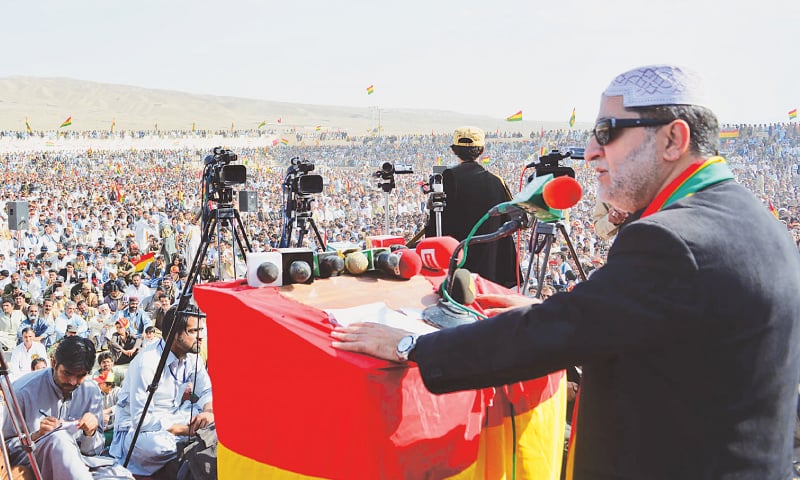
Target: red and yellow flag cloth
[
  {"x": 772, "y": 210},
  {"x": 699, "y": 175},
  {"x": 144, "y": 261},
  {"x": 66, "y": 122},
  {"x": 313, "y": 412}
]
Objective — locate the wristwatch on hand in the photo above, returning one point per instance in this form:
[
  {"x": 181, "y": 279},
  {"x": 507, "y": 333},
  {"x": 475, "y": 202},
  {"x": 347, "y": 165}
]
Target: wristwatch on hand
[{"x": 405, "y": 346}]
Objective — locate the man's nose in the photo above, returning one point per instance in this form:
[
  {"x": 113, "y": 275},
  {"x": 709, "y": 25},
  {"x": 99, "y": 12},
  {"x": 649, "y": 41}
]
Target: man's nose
[{"x": 593, "y": 149}]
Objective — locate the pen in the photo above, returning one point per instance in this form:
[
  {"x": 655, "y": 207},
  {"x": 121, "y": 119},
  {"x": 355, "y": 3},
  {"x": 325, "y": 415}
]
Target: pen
[{"x": 43, "y": 413}]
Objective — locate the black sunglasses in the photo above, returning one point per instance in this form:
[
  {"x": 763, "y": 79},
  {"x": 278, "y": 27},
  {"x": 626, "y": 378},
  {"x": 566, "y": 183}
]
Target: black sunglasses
[{"x": 604, "y": 129}]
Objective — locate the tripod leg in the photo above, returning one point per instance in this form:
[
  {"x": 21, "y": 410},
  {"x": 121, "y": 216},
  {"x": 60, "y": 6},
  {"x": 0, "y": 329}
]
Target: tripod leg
[
  {"x": 303, "y": 229},
  {"x": 286, "y": 235},
  {"x": 572, "y": 251},
  {"x": 6, "y": 457},
  {"x": 194, "y": 271},
  {"x": 320, "y": 243},
  {"x": 543, "y": 268},
  {"x": 531, "y": 250},
  {"x": 17, "y": 419},
  {"x": 244, "y": 246}
]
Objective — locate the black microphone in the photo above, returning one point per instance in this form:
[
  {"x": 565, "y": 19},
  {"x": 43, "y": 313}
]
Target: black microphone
[
  {"x": 462, "y": 287},
  {"x": 297, "y": 265},
  {"x": 328, "y": 264},
  {"x": 264, "y": 269},
  {"x": 387, "y": 262},
  {"x": 267, "y": 272},
  {"x": 299, "y": 271}
]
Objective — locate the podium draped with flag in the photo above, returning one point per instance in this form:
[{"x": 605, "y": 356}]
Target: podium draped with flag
[{"x": 288, "y": 405}]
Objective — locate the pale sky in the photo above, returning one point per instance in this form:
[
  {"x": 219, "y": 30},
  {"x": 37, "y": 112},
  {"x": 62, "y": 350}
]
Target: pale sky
[{"x": 491, "y": 57}]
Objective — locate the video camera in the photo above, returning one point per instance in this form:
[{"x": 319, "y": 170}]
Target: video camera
[
  {"x": 435, "y": 182},
  {"x": 388, "y": 169},
  {"x": 548, "y": 164},
  {"x": 387, "y": 172},
  {"x": 298, "y": 179},
  {"x": 219, "y": 175}
]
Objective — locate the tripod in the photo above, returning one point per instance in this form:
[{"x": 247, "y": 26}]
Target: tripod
[
  {"x": 18, "y": 421},
  {"x": 387, "y": 183},
  {"x": 387, "y": 186},
  {"x": 543, "y": 236},
  {"x": 224, "y": 214},
  {"x": 437, "y": 205},
  {"x": 298, "y": 213}
]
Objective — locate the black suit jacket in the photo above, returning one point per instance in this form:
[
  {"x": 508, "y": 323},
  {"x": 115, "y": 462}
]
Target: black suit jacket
[
  {"x": 688, "y": 338},
  {"x": 471, "y": 191}
]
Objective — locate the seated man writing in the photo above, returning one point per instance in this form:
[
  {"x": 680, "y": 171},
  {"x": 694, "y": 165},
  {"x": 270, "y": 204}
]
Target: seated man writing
[{"x": 64, "y": 415}]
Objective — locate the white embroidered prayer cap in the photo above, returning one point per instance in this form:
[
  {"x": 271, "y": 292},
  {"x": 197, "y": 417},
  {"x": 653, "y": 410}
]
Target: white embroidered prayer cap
[{"x": 659, "y": 85}]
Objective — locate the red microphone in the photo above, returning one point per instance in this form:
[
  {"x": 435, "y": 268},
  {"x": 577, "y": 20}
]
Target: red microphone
[
  {"x": 562, "y": 192},
  {"x": 435, "y": 252},
  {"x": 410, "y": 263}
]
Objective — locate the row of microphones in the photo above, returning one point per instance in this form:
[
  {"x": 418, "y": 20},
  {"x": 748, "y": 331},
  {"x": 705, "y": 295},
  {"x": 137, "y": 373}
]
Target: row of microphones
[
  {"x": 287, "y": 266},
  {"x": 544, "y": 197},
  {"x": 394, "y": 261},
  {"x": 284, "y": 266}
]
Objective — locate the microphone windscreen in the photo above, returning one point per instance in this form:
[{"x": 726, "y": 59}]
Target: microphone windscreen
[
  {"x": 299, "y": 271},
  {"x": 265, "y": 269},
  {"x": 435, "y": 252},
  {"x": 387, "y": 262},
  {"x": 267, "y": 272},
  {"x": 329, "y": 264},
  {"x": 356, "y": 263},
  {"x": 410, "y": 263},
  {"x": 562, "y": 192},
  {"x": 463, "y": 288}
]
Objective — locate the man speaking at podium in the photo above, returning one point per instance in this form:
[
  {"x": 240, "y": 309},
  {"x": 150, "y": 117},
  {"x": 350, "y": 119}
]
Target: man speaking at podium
[
  {"x": 688, "y": 336},
  {"x": 470, "y": 192}
]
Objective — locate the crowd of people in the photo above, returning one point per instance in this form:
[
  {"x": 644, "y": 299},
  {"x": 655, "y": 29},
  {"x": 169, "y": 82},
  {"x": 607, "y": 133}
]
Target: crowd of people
[
  {"x": 74, "y": 268},
  {"x": 92, "y": 208}
]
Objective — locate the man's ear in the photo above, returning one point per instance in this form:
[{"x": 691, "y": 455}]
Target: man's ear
[{"x": 678, "y": 136}]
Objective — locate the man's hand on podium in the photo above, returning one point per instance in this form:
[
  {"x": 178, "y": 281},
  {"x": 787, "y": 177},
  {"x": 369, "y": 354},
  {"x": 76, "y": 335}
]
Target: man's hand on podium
[
  {"x": 370, "y": 338},
  {"x": 381, "y": 341}
]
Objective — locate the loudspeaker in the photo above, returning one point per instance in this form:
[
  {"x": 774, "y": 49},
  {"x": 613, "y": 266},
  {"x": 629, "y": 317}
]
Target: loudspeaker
[
  {"x": 248, "y": 201},
  {"x": 17, "y": 215}
]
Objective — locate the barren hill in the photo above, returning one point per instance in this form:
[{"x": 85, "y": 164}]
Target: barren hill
[{"x": 47, "y": 102}]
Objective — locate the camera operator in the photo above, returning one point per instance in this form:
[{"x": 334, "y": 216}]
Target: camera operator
[{"x": 471, "y": 191}]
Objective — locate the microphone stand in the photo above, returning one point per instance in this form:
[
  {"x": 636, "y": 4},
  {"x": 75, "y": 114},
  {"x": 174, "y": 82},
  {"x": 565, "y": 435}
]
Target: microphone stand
[
  {"x": 18, "y": 421},
  {"x": 505, "y": 230},
  {"x": 445, "y": 314}
]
